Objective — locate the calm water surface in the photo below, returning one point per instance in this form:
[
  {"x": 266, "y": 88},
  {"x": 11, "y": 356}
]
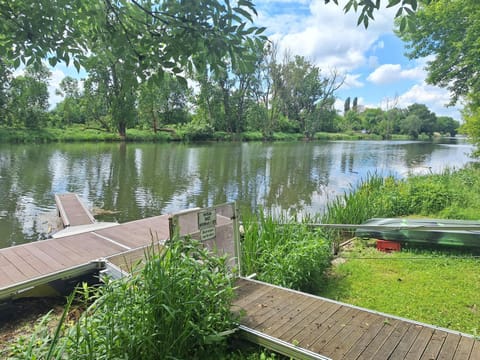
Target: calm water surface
[{"x": 138, "y": 180}]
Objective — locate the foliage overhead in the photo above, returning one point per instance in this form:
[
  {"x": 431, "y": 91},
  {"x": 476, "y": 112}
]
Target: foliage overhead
[
  {"x": 167, "y": 34},
  {"x": 405, "y": 12},
  {"x": 447, "y": 31},
  {"x": 125, "y": 42}
]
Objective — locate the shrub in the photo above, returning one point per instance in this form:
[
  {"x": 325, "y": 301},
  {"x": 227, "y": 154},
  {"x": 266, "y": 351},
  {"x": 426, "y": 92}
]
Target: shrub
[
  {"x": 284, "y": 252},
  {"x": 178, "y": 306}
]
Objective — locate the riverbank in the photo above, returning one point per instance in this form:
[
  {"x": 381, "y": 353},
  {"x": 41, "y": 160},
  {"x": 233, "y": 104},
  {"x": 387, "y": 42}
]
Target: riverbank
[
  {"x": 80, "y": 133},
  {"x": 394, "y": 279}
]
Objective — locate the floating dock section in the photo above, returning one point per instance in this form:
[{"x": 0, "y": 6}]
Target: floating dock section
[{"x": 298, "y": 325}]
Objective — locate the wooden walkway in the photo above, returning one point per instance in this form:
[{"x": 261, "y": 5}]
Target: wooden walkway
[
  {"x": 295, "y": 324},
  {"x": 27, "y": 265},
  {"x": 328, "y": 329},
  {"x": 72, "y": 211}
]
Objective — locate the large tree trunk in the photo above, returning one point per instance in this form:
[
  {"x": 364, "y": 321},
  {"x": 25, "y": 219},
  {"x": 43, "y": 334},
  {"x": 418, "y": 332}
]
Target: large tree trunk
[{"x": 122, "y": 129}]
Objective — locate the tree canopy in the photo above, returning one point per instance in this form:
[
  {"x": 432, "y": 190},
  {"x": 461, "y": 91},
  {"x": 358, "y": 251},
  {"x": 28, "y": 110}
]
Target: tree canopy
[{"x": 128, "y": 41}]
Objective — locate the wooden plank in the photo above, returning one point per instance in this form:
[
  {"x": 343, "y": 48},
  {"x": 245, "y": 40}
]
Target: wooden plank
[
  {"x": 72, "y": 210},
  {"x": 292, "y": 312},
  {"x": 369, "y": 352},
  {"x": 449, "y": 347},
  {"x": 26, "y": 269},
  {"x": 28, "y": 255},
  {"x": 329, "y": 328},
  {"x": 387, "y": 348},
  {"x": 139, "y": 233},
  {"x": 61, "y": 252},
  {"x": 318, "y": 326},
  {"x": 312, "y": 315},
  {"x": 280, "y": 313},
  {"x": 421, "y": 342},
  {"x": 269, "y": 307},
  {"x": 9, "y": 273},
  {"x": 248, "y": 292},
  {"x": 90, "y": 246},
  {"x": 464, "y": 349},
  {"x": 371, "y": 329},
  {"x": 132, "y": 260},
  {"x": 407, "y": 341},
  {"x": 434, "y": 345},
  {"x": 475, "y": 350},
  {"x": 335, "y": 343},
  {"x": 48, "y": 257}
]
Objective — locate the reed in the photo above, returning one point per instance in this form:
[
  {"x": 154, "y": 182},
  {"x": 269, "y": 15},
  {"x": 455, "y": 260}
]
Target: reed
[
  {"x": 285, "y": 252},
  {"x": 178, "y": 306}
]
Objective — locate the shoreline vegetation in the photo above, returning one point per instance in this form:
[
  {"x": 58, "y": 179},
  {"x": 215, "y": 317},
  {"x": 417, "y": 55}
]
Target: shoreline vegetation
[
  {"x": 80, "y": 133},
  {"x": 439, "y": 286}
]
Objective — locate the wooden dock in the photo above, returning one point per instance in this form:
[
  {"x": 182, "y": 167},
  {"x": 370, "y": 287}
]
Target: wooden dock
[
  {"x": 310, "y": 327},
  {"x": 72, "y": 211},
  {"x": 25, "y": 266},
  {"x": 296, "y": 324}
]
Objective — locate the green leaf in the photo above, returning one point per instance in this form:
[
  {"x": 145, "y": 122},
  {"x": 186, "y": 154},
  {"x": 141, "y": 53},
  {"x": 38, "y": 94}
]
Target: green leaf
[
  {"x": 183, "y": 82},
  {"x": 403, "y": 24},
  {"x": 76, "y": 63},
  {"x": 393, "y": 3},
  {"x": 244, "y": 13},
  {"x": 52, "y": 61},
  {"x": 260, "y": 30}
]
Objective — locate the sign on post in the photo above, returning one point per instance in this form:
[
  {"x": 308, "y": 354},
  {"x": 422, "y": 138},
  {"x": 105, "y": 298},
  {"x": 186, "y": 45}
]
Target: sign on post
[{"x": 207, "y": 221}]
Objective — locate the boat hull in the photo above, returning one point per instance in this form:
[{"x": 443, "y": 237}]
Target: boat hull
[{"x": 423, "y": 231}]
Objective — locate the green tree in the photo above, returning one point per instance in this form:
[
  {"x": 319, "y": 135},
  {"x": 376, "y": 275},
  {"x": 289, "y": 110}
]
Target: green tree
[
  {"x": 126, "y": 41},
  {"x": 350, "y": 122},
  {"x": 410, "y": 125},
  {"x": 355, "y": 104},
  {"x": 371, "y": 120},
  {"x": 164, "y": 103},
  {"x": 367, "y": 9},
  {"x": 447, "y": 125},
  {"x": 94, "y": 102},
  {"x": 427, "y": 119},
  {"x": 447, "y": 31},
  {"x": 471, "y": 126},
  {"x": 302, "y": 89},
  {"x": 69, "y": 110},
  {"x": 28, "y": 98},
  {"x": 346, "y": 106}
]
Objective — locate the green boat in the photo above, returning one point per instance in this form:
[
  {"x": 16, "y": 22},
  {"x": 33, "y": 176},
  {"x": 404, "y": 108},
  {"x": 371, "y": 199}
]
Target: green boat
[{"x": 423, "y": 231}]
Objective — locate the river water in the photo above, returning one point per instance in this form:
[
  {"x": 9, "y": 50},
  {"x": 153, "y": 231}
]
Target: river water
[{"x": 131, "y": 181}]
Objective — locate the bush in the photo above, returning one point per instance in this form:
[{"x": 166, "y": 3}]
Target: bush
[
  {"x": 196, "y": 130},
  {"x": 178, "y": 306},
  {"x": 284, "y": 252},
  {"x": 253, "y": 136}
]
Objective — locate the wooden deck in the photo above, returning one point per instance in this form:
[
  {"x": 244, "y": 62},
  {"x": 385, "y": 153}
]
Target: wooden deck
[
  {"x": 72, "y": 211},
  {"x": 29, "y": 264},
  {"x": 296, "y": 324},
  {"x": 328, "y": 329}
]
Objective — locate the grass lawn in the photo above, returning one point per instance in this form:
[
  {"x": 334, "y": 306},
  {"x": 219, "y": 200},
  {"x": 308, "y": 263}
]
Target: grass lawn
[{"x": 438, "y": 287}]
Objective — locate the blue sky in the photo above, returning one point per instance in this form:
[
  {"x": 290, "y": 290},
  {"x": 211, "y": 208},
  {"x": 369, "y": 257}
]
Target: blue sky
[{"x": 372, "y": 60}]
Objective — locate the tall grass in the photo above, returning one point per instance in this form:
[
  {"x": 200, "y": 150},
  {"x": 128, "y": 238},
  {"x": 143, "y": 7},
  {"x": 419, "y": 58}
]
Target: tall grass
[
  {"x": 451, "y": 194},
  {"x": 284, "y": 252},
  {"x": 177, "y": 307}
]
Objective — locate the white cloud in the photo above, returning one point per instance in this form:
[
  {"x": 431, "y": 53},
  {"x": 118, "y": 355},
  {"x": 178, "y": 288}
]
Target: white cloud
[
  {"x": 53, "y": 85},
  {"x": 352, "y": 81},
  {"x": 390, "y": 73},
  {"x": 326, "y": 35},
  {"x": 434, "y": 97}
]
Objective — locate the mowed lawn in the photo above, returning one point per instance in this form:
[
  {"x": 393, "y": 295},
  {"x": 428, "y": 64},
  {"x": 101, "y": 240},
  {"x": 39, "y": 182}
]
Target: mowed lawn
[{"x": 438, "y": 287}]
